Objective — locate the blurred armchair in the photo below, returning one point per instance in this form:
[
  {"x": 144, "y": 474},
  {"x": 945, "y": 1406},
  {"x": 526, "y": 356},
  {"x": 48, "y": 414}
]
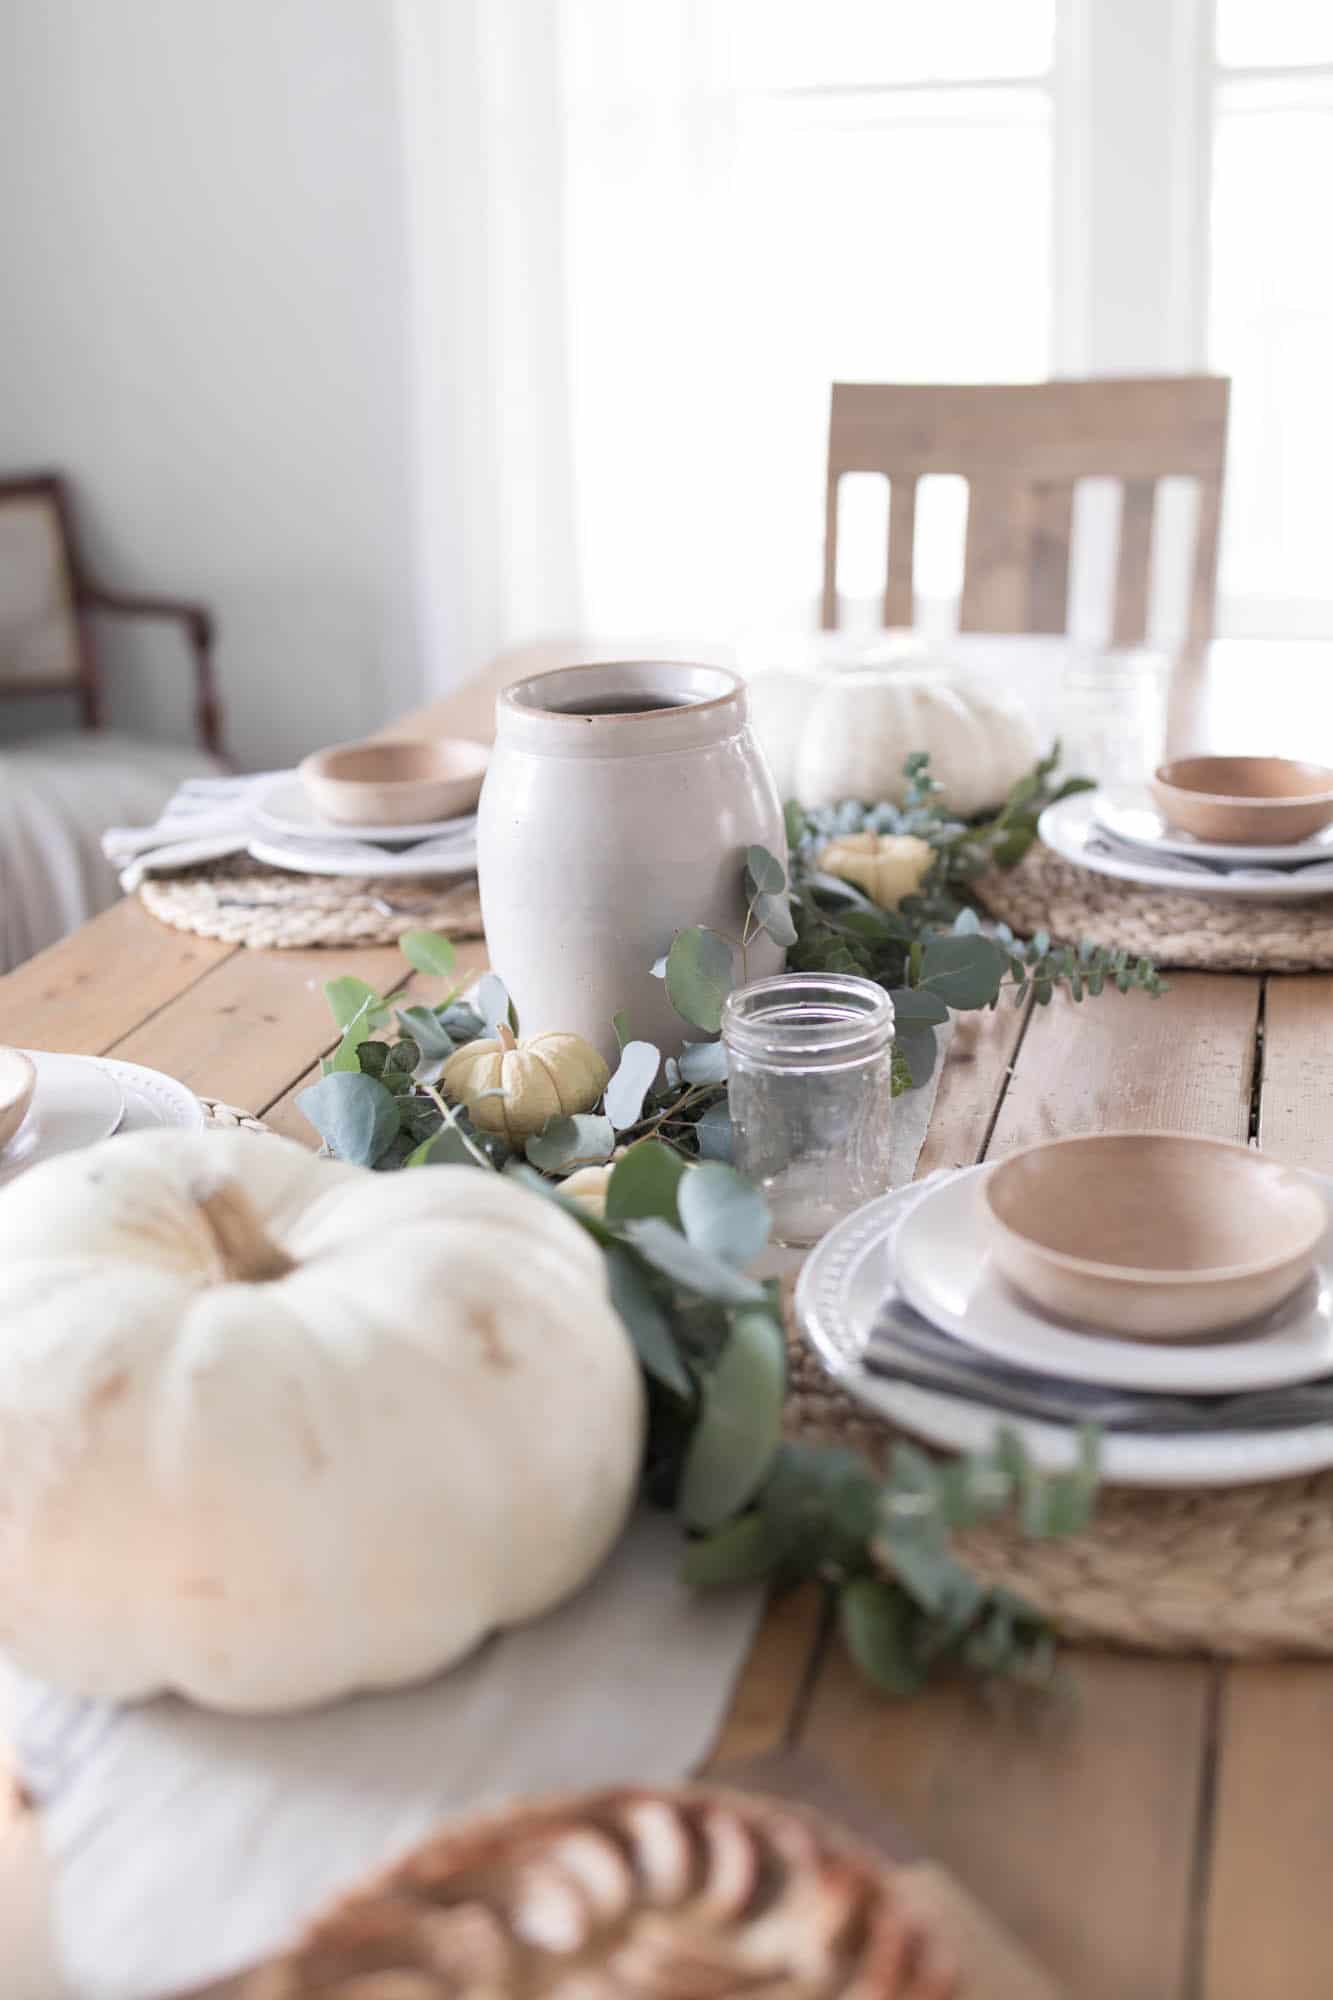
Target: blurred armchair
[{"x": 59, "y": 791}]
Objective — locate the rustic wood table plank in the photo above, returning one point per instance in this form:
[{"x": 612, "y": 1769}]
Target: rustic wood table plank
[
  {"x": 102, "y": 982},
  {"x": 1296, "y": 1110},
  {"x": 1073, "y": 1823}
]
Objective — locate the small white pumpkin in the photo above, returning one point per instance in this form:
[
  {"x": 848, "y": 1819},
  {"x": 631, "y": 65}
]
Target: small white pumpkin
[
  {"x": 588, "y": 1188},
  {"x": 844, "y": 733},
  {"x": 268, "y": 1464},
  {"x": 535, "y": 1080},
  {"x": 888, "y": 866}
]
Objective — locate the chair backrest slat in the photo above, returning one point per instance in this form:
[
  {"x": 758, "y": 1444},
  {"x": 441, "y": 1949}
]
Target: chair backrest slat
[{"x": 1021, "y": 447}]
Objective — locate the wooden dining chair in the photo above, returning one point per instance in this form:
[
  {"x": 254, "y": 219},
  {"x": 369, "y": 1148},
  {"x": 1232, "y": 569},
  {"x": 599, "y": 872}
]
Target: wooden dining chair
[
  {"x": 1021, "y": 447},
  {"x": 49, "y": 603}
]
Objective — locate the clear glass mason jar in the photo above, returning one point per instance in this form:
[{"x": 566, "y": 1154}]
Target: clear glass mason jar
[{"x": 809, "y": 1059}]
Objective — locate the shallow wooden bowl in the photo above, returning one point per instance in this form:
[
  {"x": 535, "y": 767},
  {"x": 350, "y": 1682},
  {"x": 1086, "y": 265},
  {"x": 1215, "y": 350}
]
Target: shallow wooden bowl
[
  {"x": 1251, "y": 801},
  {"x": 1152, "y": 1235},
  {"x": 395, "y": 784},
  {"x": 18, "y": 1080}
]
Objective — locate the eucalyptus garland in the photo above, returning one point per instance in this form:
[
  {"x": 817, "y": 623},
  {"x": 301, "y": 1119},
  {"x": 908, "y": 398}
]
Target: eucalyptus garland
[{"x": 681, "y": 1228}]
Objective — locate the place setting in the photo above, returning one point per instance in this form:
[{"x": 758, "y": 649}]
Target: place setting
[
  {"x": 52, "y": 1104},
  {"x": 1174, "y": 1294},
  {"x": 1256, "y": 829}
]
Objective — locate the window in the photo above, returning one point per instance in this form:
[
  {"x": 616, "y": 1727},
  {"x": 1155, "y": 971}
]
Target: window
[{"x": 763, "y": 196}]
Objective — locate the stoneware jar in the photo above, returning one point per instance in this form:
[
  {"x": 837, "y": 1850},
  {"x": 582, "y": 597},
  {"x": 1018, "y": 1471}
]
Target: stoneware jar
[{"x": 617, "y": 809}]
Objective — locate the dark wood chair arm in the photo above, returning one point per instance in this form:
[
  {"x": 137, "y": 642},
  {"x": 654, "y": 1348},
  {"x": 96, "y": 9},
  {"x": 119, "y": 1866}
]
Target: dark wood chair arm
[{"x": 198, "y": 623}]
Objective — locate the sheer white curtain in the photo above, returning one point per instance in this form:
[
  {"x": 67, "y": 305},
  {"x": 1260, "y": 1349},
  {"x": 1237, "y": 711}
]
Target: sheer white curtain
[{"x": 648, "y": 234}]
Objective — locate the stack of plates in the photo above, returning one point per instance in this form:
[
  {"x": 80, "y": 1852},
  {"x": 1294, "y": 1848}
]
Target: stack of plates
[
  {"x": 287, "y": 832},
  {"x": 905, "y": 1309},
  {"x": 81, "y": 1099},
  {"x": 1123, "y": 834}
]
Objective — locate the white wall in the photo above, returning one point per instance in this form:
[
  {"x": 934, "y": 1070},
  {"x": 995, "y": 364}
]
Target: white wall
[{"x": 202, "y": 319}]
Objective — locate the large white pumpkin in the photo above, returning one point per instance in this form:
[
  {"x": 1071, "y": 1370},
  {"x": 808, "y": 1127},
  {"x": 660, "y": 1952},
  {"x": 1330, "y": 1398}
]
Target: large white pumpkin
[
  {"x": 832, "y": 733},
  {"x": 273, "y": 1428}
]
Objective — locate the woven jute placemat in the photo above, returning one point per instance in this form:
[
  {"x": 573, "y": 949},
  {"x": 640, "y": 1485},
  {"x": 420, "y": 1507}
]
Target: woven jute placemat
[
  {"x": 240, "y": 901},
  {"x": 1044, "y": 893},
  {"x": 1242, "y": 1572}
]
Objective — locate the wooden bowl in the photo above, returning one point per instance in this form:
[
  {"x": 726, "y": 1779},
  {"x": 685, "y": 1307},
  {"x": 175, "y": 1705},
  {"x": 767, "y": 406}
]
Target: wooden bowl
[
  {"x": 1152, "y": 1235},
  {"x": 18, "y": 1080},
  {"x": 1251, "y": 801},
  {"x": 395, "y": 784}
]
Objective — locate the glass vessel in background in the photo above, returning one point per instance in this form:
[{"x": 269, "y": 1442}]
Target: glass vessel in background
[{"x": 809, "y": 1060}]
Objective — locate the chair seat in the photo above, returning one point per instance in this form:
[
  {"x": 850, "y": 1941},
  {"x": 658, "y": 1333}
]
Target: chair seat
[{"x": 58, "y": 794}]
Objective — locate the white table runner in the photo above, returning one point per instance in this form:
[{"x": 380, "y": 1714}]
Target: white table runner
[{"x": 184, "y": 1844}]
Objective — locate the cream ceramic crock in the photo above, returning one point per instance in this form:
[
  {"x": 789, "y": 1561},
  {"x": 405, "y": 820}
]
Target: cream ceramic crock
[{"x": 605, "y": 826}]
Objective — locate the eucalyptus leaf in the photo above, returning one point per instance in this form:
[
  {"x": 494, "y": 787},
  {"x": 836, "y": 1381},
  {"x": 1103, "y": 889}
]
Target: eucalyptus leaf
[
  {"x": 347, "y": 1055},
  {"x": 765, "y": 873},
  {"x": 646, "y": 1322},
  {"x": 715, "y": 1134},
  {"x": 699, "y": 976},
  {"x": 568, "y": 1142},
  {"x": 461, "y": 1022},
  {"x": 917, "y": 1004},
  {"x": 742, "y": 1551},
  {"x": 423, "y": 1025},
  {"x": 916, "y": 1044},
  {"x": 428, "y": 952},
  {"x": 447, "y": 1148},
  {"x": 964, "y": 971},
  {"x": 635, "y": 1075},
  {"x": 492, "y": 1002},
  {"x": 620, "y": 1022},
  {"x": 721, "y": 1213},
  {"x": 350, "y": 999},
  {"x": 739, "y": 1430},
  {"x": 644, "y": 1182},
  {"x": 773, "y": 915},
  {"x": 671, "y": 1253},
  {"x": 877, "y": 1626},
  {"x": 703, "y": 1062},
  {"x": 355, "y": 1116}
]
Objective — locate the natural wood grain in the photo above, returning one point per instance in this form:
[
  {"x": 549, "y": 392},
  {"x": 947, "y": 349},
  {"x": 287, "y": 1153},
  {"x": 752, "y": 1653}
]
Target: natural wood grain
[
  {"x": 1020, "y": 446},
  {"x": 763, "y": 1703},
  {"x": 1125, "y": 1062},
  {"x": 899, "y": 599},
  {"x": 1073, "y": 1825},
  {"x": 974, "y": 1077},
  {"x": 1129, "y": 618},
  {"x": 250, "y": 1028},
  {"x": 1268, "y": 1929},
  {"x": 1296, "y": 1108},
  {"x": 91, "y": 989}
]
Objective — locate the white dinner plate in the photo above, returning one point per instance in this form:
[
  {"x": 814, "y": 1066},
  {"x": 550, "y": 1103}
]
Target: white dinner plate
[
  {"x": 77, "y": 1102},
  {"x": 838, "y": 1298},
  {"x": 1071, "y": 829},
  {"x": 1132, "y": 816},
  {"x": 310, "y": 857},
  {"x": 70, "y": 1087},
  {"x": 285, "y": 808},
  {"x": 942, "y": 1265}
]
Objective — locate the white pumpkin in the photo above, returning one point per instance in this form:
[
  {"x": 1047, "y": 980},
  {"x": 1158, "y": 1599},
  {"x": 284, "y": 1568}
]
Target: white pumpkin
[
  {"x": 513, "y": 1087},
  {"x": 833, "y": 733},
  {"x": 588, "y": 1188},
  {"x": 266, "y": 1465},
  {"x": 888, "y": 866}
]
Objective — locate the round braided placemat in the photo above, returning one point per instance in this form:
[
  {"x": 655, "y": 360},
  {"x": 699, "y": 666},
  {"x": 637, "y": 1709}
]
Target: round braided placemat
[
  {"x": 1044, "y": 893},
  {"x": 227, "y": 1118},
  {"x": 1242, "y": 1572},
  {"x": 240, "y": 901}
]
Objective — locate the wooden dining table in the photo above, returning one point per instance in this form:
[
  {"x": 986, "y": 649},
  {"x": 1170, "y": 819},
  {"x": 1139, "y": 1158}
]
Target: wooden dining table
[{"x": 1163, "y": 1830}]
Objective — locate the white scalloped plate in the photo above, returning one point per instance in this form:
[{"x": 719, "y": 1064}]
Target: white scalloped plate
[
  {"x": 839, "y": 1293},
  {"x": 1132, "y": 816},
  {"x": 942, "y": 1265},
  {"x": 1071, "y": 828}
]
